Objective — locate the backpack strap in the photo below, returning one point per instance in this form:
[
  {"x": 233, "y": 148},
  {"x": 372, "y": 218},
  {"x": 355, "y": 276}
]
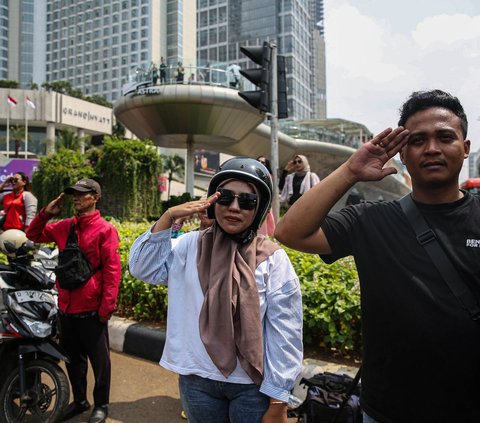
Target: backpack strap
[
  {"x": 427, "y": 238},
  {"x": 72, "y": 241},
  {"x": 349, "y": 393}
]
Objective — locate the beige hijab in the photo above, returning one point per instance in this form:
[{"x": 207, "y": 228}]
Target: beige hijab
[{"x": 230, "y": 322}]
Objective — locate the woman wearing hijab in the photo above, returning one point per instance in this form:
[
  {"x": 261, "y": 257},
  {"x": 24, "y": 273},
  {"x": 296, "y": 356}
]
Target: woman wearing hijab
[
  {"x": 234, "y": 325},
  {"x": 298, "y": 182},
  {"x": 19, "y": 205}
]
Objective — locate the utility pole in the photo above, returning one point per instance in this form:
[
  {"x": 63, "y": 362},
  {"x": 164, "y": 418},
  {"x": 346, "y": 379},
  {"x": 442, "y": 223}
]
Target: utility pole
[
  {"x": 274, "y": 130},
  {"x": 271, "y": 99}
]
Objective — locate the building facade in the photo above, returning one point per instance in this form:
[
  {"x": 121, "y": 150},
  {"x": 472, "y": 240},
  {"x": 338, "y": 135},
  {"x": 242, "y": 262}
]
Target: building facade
[
  {"x": 38, "y": 117},
  {"x": 224, "y": 26},
  {"x": 93, "y": 44}
]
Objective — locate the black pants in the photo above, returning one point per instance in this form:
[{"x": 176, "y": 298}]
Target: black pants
[{"x": 86, "y": 337}]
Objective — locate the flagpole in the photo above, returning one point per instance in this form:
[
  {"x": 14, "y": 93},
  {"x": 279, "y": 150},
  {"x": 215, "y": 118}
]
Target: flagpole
[
  {"x": 8, "y": 132},
  {"x": 26, "y": 131}
]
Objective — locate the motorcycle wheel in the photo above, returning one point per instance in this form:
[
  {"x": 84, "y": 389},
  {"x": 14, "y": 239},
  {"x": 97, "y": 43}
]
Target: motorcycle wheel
[{"x": 47, "y": 394}]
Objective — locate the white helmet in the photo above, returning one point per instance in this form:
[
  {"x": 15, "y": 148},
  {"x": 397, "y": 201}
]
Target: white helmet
[{"x": 11, "y": 240}]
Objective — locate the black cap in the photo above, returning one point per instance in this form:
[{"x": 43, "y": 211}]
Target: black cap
[{"x": 84, "y": 185}]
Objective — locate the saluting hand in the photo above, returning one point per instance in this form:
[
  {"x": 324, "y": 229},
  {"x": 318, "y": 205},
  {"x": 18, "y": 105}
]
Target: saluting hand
[
  {"x": 367, "y": 163},
  {"x": 55, "y": 207},
  {"x": 185, "y": 210}
]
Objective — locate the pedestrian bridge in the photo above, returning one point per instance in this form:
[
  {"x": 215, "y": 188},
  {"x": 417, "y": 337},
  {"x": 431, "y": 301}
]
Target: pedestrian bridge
[{"x": 215, "y": 118}]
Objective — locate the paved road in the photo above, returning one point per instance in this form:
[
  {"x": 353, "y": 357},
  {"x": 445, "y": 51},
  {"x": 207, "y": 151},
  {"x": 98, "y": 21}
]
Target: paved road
[{"x": 142, "y": 392}]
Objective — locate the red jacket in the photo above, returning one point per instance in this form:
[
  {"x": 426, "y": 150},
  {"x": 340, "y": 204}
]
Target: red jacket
[{"x": 98, "y": 239}]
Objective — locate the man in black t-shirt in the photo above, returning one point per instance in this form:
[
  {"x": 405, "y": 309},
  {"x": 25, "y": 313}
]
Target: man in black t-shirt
[{"x": 421, "y": 349}]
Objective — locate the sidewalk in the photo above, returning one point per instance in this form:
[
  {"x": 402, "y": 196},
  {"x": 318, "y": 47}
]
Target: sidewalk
[{"x": 147, "y": 342}]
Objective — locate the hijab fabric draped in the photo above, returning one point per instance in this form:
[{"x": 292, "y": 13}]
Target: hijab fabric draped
[{"x": 230, "y": 321}]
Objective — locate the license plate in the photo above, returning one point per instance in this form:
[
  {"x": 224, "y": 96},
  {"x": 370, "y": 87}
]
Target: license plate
[
  {"x": 49, "y": 264},
  {"x": 37, "y": 296}
]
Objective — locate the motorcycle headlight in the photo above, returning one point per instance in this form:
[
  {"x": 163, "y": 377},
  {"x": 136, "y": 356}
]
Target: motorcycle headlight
[{"x": 39, "y": 329}]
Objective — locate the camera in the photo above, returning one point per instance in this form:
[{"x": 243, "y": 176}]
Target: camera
[{"x": 12, "y": 179}]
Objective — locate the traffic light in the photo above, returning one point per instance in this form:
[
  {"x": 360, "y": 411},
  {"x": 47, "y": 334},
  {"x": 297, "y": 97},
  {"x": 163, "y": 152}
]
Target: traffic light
[
  {"x": 261, "y": 55},
  {"x": 282, "y": 105}
]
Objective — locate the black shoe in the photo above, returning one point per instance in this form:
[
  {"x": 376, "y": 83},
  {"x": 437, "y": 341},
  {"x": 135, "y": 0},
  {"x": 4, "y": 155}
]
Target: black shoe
[
  {"x": 99, "y": 414},
  {"x": 74, "y": 409}
]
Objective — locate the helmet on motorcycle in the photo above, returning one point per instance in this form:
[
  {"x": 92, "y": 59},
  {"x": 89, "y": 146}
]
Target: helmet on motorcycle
[
  {"x": 11, "y": 240},
  {"x": 248, "y": 170}
]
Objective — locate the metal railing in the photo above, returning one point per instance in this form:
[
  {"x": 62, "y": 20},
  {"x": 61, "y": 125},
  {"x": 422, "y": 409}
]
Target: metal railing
[{"x": 203, "y": 75}]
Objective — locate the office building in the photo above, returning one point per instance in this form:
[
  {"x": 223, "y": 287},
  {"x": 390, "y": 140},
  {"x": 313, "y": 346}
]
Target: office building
[
  {"x": 223, "y": 26},
  {"x": 95, "y": 44}
]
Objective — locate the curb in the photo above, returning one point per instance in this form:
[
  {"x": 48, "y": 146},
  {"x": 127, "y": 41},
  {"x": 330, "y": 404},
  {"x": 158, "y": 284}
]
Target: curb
[{"x": 133, "y": 338}]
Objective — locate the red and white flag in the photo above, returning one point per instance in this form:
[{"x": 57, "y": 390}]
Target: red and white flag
[
  {"x": 11, "y": 101},
  {"x": 29, "y": 103}
]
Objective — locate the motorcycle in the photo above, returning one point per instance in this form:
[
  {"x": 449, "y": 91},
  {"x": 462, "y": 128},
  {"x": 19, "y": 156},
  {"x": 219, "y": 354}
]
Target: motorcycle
[{"x": 33, "y": 387}]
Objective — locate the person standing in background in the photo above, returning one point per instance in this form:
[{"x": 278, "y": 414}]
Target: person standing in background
[
  {"x": 298, "y": 182},
  {"x": 163, "y": 71},
  {"x": 180, "y": 73},
  {"x": 20, "y": 205},
  {"x": 154, "y": 74}
]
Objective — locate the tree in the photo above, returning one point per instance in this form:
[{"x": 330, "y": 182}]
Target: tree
[
  {"x": 56, "y": 172},
  {"x": 18, "y": 135},
  {"x": 62, "y": 87},
  {"x": 173, "y": 165},
  {"x": 5, "y": 83},
  {"x": 128, "y": 170},
  {"x": 100, "y": 100},
  {"x": 71, "y": 141},
  {"x": 118, "y": 130}
]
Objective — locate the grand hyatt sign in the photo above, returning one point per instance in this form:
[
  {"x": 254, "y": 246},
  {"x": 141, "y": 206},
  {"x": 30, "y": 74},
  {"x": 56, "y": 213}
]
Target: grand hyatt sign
[{"x": 85, "y": 115}]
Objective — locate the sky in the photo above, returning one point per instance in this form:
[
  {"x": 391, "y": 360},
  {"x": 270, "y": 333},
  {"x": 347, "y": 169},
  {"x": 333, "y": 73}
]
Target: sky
[{"x": 379, "y": 51}]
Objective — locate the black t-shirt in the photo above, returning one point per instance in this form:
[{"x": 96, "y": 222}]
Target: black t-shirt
[{"x": 421, "y": 349}]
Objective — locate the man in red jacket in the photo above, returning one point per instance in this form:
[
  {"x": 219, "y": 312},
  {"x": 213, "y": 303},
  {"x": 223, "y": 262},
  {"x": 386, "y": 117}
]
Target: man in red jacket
[{"x": 84, "y": 311}]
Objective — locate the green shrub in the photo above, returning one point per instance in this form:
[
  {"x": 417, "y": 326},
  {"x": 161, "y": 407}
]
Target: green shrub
[
  {"x": 331, "y": 302},
  {"x": 136, "y": 299}
]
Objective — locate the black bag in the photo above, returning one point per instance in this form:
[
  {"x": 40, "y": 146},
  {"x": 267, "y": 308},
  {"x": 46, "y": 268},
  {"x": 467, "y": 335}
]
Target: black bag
[
  {"x": 331, "y": 398},
  {"x": 73, "y": 268}
]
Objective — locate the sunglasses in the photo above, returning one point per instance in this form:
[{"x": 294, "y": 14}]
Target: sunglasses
[
  {"x": 297, "y": 162},
  {"x": 246, "y": 201}
]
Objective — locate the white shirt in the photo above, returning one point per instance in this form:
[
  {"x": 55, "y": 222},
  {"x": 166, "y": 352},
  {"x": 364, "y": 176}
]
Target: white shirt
[{"x": 153, "y": 260}]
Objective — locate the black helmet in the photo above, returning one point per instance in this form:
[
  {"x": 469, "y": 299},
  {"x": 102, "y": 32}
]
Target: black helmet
[{"x": 248, "y": 170}]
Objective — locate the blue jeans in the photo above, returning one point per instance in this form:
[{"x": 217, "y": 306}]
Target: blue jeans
[
  {"x": 209, "y": 401},
  {"x": 368, "y": 419}
]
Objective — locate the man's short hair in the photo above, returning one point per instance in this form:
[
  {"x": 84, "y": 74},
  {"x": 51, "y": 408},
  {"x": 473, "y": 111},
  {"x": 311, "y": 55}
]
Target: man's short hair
[{"x": 422, "y": 100}]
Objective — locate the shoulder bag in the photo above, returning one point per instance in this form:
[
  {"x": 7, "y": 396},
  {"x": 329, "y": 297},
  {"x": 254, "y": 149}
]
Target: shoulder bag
[{"x": 73, "y": 268}]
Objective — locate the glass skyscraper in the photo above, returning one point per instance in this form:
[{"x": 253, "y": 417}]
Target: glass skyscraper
[
  {"x": 223, "y": 26},
  {"x": 95, "y": 44}
]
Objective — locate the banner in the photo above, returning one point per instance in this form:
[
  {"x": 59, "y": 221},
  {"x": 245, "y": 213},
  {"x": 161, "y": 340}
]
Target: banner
[{"x": 28, "y": 166}]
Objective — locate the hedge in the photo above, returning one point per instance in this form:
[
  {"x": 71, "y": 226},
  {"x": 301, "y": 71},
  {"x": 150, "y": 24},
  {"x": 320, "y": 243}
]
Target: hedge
[{"x": 331, "y": 296}]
